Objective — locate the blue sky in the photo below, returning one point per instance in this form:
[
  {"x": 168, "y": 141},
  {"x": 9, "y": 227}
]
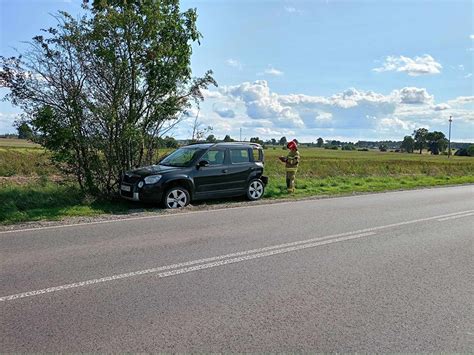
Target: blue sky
[{"x": 337, "y": 69}]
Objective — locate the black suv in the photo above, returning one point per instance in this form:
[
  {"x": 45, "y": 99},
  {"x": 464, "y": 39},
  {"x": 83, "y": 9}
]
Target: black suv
[{"x": 199, "y": 171}]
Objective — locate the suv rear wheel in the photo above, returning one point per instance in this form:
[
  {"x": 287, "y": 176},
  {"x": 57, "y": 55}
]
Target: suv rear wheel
[
  {"x": 255, "y": 190},
  {"x": 176, "y": 197}
]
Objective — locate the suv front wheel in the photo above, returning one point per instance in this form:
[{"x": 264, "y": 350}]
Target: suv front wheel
[
  {"x": 255, "y": 190},
  {"x": 176, "y": 197}
]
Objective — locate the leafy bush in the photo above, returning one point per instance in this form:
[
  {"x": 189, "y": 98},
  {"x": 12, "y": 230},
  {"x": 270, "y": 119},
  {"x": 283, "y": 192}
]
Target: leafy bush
[
  {"x": 465, "y": 152},
  {"x": 99, "y": 89}
]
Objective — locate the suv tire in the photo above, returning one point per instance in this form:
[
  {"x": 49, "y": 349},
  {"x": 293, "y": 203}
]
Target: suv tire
[
  {"x": 255, "y": 190},
  {"x": 176, "y": 197}
]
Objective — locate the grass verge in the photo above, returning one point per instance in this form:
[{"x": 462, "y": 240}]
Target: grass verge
[
  {"x": 28, "y": 193},
  {"x": 347, "y": 185},
  {"x": 52, "y": 201}
]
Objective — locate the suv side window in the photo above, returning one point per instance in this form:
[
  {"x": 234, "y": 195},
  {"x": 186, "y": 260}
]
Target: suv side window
[
  {"x": 239, "y": 155},
  {"x": 257, "y": 154},
  {"x": 214, "y": 157}
]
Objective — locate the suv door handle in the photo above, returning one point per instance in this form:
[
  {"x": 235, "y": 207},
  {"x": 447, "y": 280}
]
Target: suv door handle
[{"x": 224, "y": 170}]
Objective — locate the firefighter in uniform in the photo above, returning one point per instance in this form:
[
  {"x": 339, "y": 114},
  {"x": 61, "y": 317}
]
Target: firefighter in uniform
[{"x": 291, "y": 164}]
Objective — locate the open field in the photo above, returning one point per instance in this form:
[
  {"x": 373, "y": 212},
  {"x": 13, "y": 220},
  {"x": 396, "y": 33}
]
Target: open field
[
  {"x": 25, "y": 162},
  {"x": 32, "y": 189},
  {"x": 17, "y": 143},
  {"x": 328, "y": 172}
]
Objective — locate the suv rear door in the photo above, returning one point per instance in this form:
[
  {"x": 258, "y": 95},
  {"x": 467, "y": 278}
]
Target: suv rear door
[{"x": 239, "y": 167}]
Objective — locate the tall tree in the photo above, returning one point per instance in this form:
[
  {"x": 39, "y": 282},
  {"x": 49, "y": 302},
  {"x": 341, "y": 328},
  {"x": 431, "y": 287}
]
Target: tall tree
[
  {"x": 98, "y": 90},
  {"x": 319, "y": 142},
  {"x": 437, "y": 142},
  {"x": 256, "y": 140},
  {"x": 227, "y": 138},
  {"x": 24, "y": 131},
  {"x": 408, "y": 144},
  {"x": 211, "y": 139},
  {"x": 283, "y": 141},
  {"x": 419, "y": 136}
]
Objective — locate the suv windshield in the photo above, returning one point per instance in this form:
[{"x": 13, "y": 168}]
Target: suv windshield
[{"x": 182, "y": 157}]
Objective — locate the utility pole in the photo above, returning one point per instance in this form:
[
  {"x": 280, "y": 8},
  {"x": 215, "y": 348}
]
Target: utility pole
[
  {"x": 449, "y": 136},
  {"x": 240, "y": 139}
]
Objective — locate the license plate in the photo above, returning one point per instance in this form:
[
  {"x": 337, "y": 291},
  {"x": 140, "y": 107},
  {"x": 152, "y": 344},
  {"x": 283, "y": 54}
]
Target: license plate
[{"x": 126, "y": 188}]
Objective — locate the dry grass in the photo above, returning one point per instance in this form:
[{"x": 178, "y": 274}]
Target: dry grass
[
  {"x": 32, "y": 189},
  {"x": 17, "y": 143},
  {"x": 25, "y": 161}
]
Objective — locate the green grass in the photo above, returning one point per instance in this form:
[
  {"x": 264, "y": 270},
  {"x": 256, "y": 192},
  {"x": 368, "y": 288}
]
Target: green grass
[
  {"x": 340, "y": 185},
  {"x": 329, "y": 172},
  {"x": 52, "y": 201},
  {"x": 25, "y": 162},
  {"x": 321, "y": 173}
]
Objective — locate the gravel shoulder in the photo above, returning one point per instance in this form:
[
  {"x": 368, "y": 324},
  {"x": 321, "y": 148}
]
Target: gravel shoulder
[{"x": 198, "y": 206}]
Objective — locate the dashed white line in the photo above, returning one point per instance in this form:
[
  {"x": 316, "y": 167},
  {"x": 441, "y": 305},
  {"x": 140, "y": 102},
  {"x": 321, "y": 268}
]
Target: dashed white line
[
  {"x": 185, "y": 269},
  {"x": 206, "y": 263},
  {"x": 454, "y": 217}
]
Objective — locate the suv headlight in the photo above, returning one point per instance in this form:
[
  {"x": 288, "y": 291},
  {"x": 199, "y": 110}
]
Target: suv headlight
[{"x": 152, "y": 179}]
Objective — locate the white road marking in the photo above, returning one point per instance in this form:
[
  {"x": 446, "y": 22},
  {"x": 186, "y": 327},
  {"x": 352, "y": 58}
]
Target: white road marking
[
  {"x": 454, "y": 217},
  {"x": 241, "y": 256},
  {"x": 183, "y": 270}
]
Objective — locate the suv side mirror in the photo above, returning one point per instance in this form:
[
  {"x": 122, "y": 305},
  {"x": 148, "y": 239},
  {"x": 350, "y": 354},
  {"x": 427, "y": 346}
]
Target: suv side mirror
[{"x": 202, "y": 164}]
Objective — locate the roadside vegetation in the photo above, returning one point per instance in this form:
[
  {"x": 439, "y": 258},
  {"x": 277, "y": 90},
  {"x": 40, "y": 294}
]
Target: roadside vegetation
[
  {"x": 99, "y": 93},
  {"x": 330, "y": 172},
  {"x": 31, "y": 188}
]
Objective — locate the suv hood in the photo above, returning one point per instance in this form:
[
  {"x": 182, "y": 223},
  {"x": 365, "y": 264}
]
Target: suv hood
[{"x": 152, "y": 170}]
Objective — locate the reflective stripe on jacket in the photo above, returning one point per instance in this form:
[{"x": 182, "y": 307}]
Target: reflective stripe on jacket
[{"x": 292, "y": 161}]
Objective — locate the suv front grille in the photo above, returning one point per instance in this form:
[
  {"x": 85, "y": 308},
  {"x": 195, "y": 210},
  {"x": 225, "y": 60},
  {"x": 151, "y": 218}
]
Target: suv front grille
[{"x": 131, "y": 179}]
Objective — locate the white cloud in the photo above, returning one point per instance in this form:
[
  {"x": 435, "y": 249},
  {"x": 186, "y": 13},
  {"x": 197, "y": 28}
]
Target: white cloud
[
  {"x": 234, "y": 63},
  {"x": 272, "y": 71},
  {"x": 441, "y": 107},
  {"x": 224, "y": 112},
  {"x": 323, "y": 116},
  {"x": 355, "y": 113},
  {"x": 395, "y": 124},
  {"x": 423, "y": 65},
  {"x": 347, "y": 99},
  {"x": 260, "y": 103},
  {"x": 271, "y": 132},
  {"x": 467, "y": 76},
  {"x": 462, "y": 100},
  {"x": 192, "y": 112},
  {"x": 471, "y": 36},
  {"x": 292, "y": 10},
  {"x": 211, "y": 94},
  {"x": 413, "y": 96},
  {"x": 6, "y": 122}
]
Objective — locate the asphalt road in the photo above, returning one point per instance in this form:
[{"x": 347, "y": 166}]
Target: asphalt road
[{"x": 387, "y": 272}]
